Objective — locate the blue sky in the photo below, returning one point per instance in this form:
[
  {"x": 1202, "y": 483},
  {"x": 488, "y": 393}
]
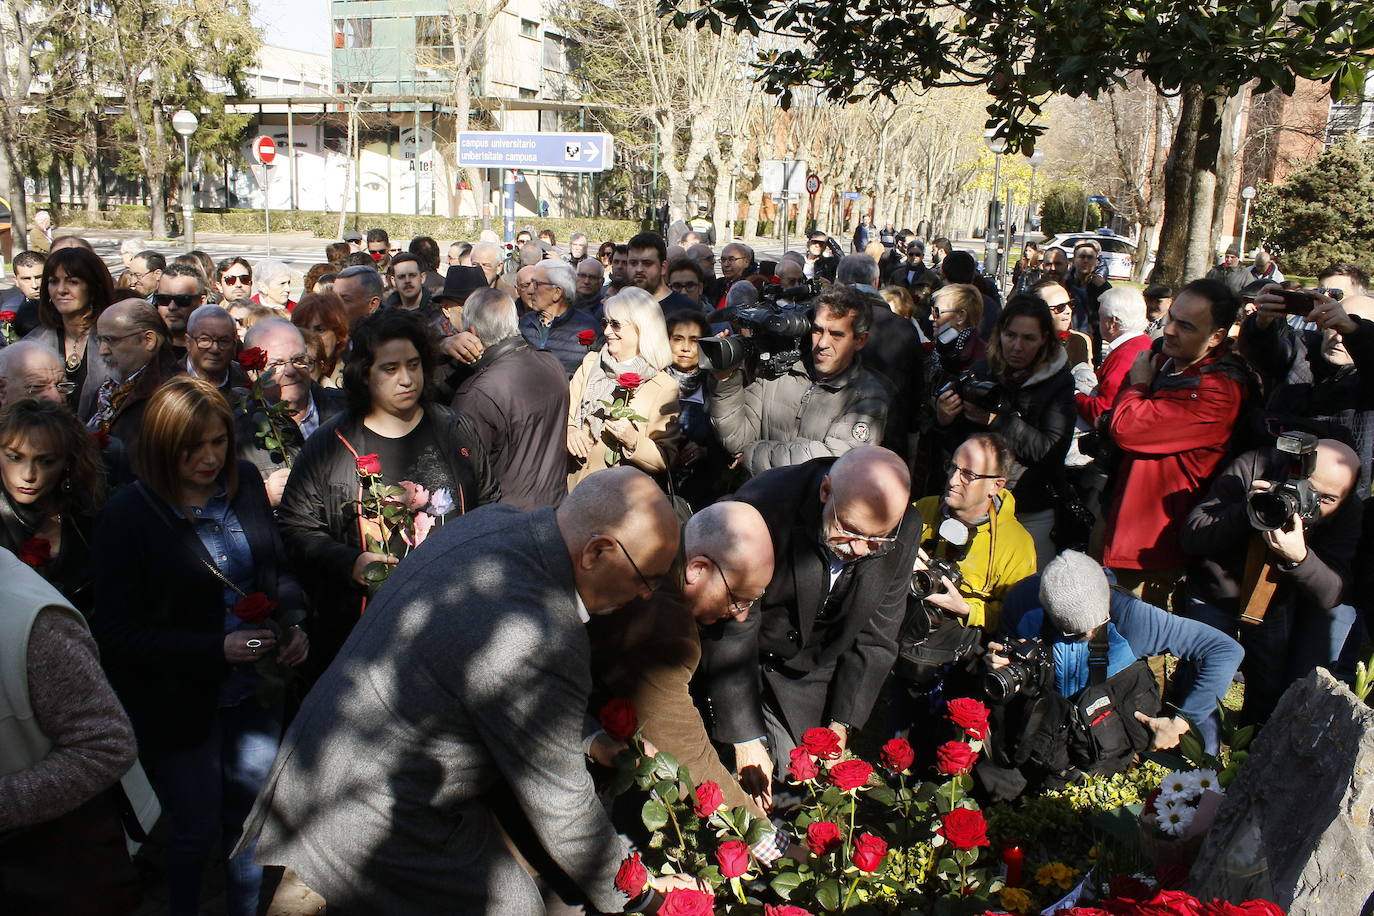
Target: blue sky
[{"x": 302, "y": 25}]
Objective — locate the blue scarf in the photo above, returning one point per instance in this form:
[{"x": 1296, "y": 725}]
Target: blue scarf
[{"x": 1071, "y": 658}]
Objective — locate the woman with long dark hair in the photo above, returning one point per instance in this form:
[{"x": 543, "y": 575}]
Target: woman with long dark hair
[
  {"x": 390, "y": 433},
  {"x": 194, "y": 611},
  {"x": 76, "y": 288},
  {"x": 53, "y": 487}
]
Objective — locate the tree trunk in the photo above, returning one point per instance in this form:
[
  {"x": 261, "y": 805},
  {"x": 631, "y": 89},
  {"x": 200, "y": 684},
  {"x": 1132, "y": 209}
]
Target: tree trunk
[
  {"x": 1173, "y": 236},
  {"x": 1201, "y": 242},
  {"x": 1226, "y": 161},
  {"x": 751, "y": 216}
]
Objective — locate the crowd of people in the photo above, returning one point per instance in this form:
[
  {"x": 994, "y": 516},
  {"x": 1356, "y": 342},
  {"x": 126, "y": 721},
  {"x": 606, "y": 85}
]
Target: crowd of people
[{"x": 339, "y": 582}]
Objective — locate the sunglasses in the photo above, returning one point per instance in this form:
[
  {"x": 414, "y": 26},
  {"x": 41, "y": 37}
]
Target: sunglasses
[
  {"x": 1061, "y": 308},
  {"x": 236, "y": 279},
  {"x": 611, "y": 323},
  {"x": 180, "y": 300}
]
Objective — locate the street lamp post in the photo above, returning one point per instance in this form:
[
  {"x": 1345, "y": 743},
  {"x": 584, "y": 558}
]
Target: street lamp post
[
  {"x": 998, "y": 145},
  {"x": 185, "y": 124},
  {"x": 1248, "y": 193}
]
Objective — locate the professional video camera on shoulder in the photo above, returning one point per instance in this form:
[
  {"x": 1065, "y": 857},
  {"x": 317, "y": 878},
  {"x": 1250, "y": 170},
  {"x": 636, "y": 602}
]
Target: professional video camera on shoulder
[
  {"x": 1275, "y": 507},
  {"x": 769, "y": 335}
]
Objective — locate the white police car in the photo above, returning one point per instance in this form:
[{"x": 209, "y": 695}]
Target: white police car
[{"x": 1118, "y": 252}]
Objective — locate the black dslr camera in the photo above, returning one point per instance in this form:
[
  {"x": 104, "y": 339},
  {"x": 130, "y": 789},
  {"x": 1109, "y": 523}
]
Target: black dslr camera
[
  {"x": 1031, "y": 666},
  {"x": 927, "y": 582},
  {"x": 1270, "y": 510},
  {"x": 980, "y": 392},
  {"x": 769, "y": 334}
]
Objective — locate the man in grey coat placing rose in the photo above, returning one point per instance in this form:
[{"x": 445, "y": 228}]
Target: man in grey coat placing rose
[{"x": 471, "y": 666}]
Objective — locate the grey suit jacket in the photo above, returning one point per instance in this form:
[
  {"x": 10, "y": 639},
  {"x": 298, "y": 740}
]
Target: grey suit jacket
[{"x": 471, "y": 664}]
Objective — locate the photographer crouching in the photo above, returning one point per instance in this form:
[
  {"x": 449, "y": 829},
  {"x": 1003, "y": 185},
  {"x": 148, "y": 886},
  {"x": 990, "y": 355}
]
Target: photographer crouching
[
  {"x": 1070, "y": 685},
  {"x": 1274, "y": 543},
  {"x": 973, "y": 550}
]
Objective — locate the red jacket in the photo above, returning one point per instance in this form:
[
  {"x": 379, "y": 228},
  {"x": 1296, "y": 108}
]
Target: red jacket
[
  {"x": 1173, "y": 435},
  {"x": 1111, "y": 375}
]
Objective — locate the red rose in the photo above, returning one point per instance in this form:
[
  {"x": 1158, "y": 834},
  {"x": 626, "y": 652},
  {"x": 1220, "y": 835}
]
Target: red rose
[
  {"x": 770, "y": 910},
  {"x": 253, "y": 359},
  {"x": 1175, "y": 903},
  {"x": 822, "y": 837},
  {"x": 630, "y": 380},
  {"x": 586, "y": 338},
  {"x": 822, "y": 743},
  {"x": 733, "y": 858},
  {"x": 868, "y": 852},
  {"x": 619, "y": 719},
  {"x": 802, "y": 768},
  {"x": 7, "y": 315},
  {"x": 850, "y": 774},
  {"x": 897, "y": 755},
  {"x": 631, "y": 877},
  {"x": 970, "y": 715},
  {"x": 369, "y": 465},
  {"x": 954, "y": 758},
  {"x": 709, "y": 799},
  {"x": 964, "y": 828},
  {"x": 254, "y": 608},
  {"x": 36, "y": 552},
  {"x": 1258, "y": 908},
  {"x": 682, "y": 902}
]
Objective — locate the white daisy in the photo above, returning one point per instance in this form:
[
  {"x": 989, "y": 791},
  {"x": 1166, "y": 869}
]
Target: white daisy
[
  {"x": 1181, "y": 787},
  {"x": 1207, "y": 782},
  {"x": 1175, "y": 818}
]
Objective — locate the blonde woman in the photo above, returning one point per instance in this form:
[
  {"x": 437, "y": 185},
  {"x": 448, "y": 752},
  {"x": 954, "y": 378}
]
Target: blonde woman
[{"x": 636, "y": 351}]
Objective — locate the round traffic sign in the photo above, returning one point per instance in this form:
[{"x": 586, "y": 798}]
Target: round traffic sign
[
  {"x": 813, "y": 183},
  {"x": 265, "y": 150}
]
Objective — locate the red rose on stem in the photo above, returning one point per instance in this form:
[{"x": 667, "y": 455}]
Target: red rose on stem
[
  {"x": 970, "y": 715},
  {"x": 955, "y": 758},
  {"x": 254, "y": 608},
  {"x": 683, "y": 902},
  {"x": 733, "y": 858},
  {"x": 586, "y": 338},
  {"x": 822, "y": 743},
  {"x": 802, "y": 768},
  {"x": 36, "y": 552},
  {"x": 850, "y": 774},
  {"x": 770, "y": 910},
  {"x": 369, "y": 465},
  {"x": 632, "y": 876},
  {"x": 964, "y": 828},
  {"x": 619, "y": 720},
  {"x": 869, "y": 851},
  {"x": 709, "y": 799},
  {"x": 822, "y": 837},
  {"x": 897, "y": 755},
  {"x": 629, "y": 380},
  {"x": 252, "y": 359},
  {"x": 7, "y": 316}
]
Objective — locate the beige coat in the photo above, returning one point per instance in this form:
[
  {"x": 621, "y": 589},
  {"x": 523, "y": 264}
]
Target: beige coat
[{"x": 655, "y": 399}]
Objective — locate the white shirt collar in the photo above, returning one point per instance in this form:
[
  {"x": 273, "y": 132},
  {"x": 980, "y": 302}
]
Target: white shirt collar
[
  {"x": 582, "y": 613},
  {"x": 1119, "y": 341}
]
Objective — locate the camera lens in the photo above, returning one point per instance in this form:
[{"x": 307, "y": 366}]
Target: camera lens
[
  {"x": 1002, "y": 684},
  {"x": 922, "y": 584},
  {"x": 721, "y": 353},
  {"x": 1269, "y": 510}
]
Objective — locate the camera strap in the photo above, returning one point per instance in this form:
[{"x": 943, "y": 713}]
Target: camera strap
[
  {"x": 1258, "y": 583},
  {"x": 1099, "y": 649}
]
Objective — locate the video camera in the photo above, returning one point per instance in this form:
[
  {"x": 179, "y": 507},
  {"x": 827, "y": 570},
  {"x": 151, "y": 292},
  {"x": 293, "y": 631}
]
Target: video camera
[
  {"x": 769, "y": 336},
  {"x": 1031, "y": 666},
  {"x": 980, "y": 392},
  {"x": 1270, "y": 510}
]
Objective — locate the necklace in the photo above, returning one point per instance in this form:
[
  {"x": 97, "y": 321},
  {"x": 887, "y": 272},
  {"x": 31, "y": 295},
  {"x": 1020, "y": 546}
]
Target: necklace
[{"x": 79, "y": 351}]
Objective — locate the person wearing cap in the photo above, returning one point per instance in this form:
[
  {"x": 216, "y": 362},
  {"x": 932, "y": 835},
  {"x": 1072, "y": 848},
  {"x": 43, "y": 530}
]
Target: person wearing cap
[
  {"x": 1158, "y": 297},
  {"x": 1070, "y": 606},
  {"x": 912, "y": 269},
  {"x": 355, "y": 241},
  {"x": 1231, "y": 272},
  {"x": 702, "y": 226}
]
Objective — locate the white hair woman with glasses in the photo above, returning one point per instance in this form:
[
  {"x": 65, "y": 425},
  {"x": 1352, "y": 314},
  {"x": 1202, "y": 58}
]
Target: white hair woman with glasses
[
  {"x": 629, "y": 370},
  {"x": 272, "y": 285}
]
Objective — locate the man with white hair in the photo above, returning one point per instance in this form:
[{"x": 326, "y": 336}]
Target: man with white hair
[
  {"x": 552, "y": 323},
  {"x": 211, "y": 342},
  {"x": 517, "y": 400},
  {"x": 129, "y": 249},
  {"x": 1121, "y": 321},
  {"x": 29, "y": 369}
]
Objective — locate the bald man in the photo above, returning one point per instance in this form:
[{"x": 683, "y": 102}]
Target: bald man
[
  {"x": 824, "y": 635},
  {"x": 461, "y": 675},
  {"x": 1311, "y": 560},
  {"x": 30, "y": 370}
]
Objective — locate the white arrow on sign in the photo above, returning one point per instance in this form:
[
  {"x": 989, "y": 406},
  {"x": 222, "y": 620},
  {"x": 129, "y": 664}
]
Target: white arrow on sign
[{"x": 591, "y": 152}]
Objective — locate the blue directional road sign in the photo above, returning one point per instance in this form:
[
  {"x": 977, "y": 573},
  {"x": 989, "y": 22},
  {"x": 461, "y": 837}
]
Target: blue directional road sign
[
  {"x": 536, "y": 152},
  {"x": 1097, "y": 199}
]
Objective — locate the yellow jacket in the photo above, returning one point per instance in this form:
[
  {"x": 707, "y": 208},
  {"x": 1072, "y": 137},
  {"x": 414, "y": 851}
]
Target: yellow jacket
[{"x": 1001, "y": 555}]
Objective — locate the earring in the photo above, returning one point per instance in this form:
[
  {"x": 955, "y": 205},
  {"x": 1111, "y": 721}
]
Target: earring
[{"x": 66, "y": 484}]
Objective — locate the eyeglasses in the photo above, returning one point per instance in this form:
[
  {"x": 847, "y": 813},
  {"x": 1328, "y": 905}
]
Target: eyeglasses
[
  {"x": 62, "y": 388},
  {"x": 877, "y": 546},
  {"x": 109, "y": 340},
  {"x": 1061, "y": 308},
  {"x": 733, "y": 259},
  {"x": 648, "y": 585},
  {"x": 303, "y": 363},
  {"x": 236, "y": 279},
  {"x": 968, "y": 476},
  {"x": 679, "y": 287},
  {"x": 205, "y": 342},
  {"x": 737, "y": 608},
  {"x": 532, "y": 283},
  {"x": 180, "y": 300},
  {"x": 611, "y": 323}
]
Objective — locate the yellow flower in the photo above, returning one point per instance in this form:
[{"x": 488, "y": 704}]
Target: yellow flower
[
  {"x": 1056, "y": 873},
  {"x": 1015, "y": 899}
]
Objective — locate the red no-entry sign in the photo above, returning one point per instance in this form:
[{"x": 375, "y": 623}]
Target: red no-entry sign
[{"x": 265, "y": 150}]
